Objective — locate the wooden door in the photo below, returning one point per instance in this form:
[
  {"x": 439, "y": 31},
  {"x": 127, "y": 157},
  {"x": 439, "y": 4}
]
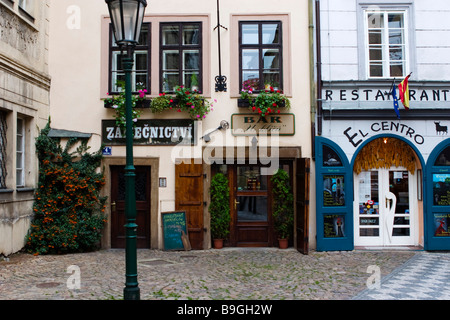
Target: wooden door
[
  {"x": 118, "y": 219},
  {"x": 250, "y": 207},
  {"x": 189, "y": 198},
  {"x": 302, "y": 204}
]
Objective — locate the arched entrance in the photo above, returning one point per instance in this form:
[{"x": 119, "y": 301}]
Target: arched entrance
[{"x": 387, "y": 207}]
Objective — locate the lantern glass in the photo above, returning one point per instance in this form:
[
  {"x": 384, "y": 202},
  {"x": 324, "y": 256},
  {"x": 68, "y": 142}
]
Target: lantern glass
[{"x": 126, "y": 17}]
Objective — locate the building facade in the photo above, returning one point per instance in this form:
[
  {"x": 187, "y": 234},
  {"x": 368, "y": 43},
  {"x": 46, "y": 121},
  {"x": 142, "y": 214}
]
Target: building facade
[
  {"x": 382, "y": 178},
  {"x": 177, "y": 153},
  {"x": 24, "y": 106}
]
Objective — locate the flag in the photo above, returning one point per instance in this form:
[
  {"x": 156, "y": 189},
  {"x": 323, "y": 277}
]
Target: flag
[
  {"x": 394, "y": 96},
  {"x": 403, "y": 89}
]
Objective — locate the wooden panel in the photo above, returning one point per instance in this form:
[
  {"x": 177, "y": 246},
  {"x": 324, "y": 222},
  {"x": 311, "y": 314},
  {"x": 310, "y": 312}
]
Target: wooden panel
[
  {"x": 189, "y": 198},
  {"x": 302, "y": 204},
  {"x": 118, "y": 218}
]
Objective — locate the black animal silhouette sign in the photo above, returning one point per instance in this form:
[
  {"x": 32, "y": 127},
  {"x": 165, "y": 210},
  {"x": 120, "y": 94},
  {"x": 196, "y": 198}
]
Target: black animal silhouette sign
[{"x": 440, "y": 129}]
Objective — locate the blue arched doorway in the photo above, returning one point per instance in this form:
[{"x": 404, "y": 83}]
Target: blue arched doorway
[
  {"x": 334, "y": 199},
  {"x": 437, "y": 219}
]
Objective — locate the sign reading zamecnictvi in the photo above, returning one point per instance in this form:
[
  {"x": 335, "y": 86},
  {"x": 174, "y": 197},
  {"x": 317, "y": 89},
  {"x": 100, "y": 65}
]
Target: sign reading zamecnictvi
[{"x": 166, "y": 132}]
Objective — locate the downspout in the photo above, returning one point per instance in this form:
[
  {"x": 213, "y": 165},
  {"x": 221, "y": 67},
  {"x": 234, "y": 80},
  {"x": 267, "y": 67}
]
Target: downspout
[
  {"x": 312, "y": 77},
  {"x": 319, "y": 70}
]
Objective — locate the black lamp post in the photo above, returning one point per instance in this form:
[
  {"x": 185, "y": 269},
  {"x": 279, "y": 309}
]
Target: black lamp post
[{"x": 126, "y": 18}]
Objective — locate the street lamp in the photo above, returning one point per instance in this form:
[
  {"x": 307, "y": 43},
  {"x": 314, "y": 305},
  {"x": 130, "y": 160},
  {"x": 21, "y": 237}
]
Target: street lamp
[{"x": 126, "y": 18}]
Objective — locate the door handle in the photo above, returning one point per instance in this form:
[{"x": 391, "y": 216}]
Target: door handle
[
  {"x": 113, "y": 206},
  {"x": 235, "y": 204}
]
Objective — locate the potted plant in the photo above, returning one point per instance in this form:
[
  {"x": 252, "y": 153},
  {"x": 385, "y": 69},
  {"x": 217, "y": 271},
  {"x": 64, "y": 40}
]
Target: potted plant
[
  {"x": 219, "y": 209},
  {"x": 283, "y": 209},
  {"x": 266, "y": 102}
]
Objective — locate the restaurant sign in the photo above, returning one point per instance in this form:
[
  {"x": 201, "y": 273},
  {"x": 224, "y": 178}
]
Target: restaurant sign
[
  {"x": 166, "y": 132},
  {"x": 251, "y": 124}
]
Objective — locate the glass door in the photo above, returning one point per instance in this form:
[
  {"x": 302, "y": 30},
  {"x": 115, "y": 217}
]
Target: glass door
[
  {"x": 383, "y": 211},
  {"x": 251, "y": 206}
]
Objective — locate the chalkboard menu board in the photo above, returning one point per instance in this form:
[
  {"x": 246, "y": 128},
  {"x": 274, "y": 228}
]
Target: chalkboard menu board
[
  {"x": 441, "y": 189},
  {"x": 174, "y": 225}
]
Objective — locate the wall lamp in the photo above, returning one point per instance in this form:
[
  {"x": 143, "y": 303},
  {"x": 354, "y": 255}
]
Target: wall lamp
[{"x": 223, "y": 125}]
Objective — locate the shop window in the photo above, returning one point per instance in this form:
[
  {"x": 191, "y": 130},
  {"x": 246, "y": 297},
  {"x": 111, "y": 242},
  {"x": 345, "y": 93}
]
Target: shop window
[
  {"x": 260, "y": 55},
  {"x": 333, "y": 225},
  {"x": 181, "y": 56},
  {"x": 140, "y": 76},
  {"x": 3, "y": 141},
  {"x": 444, "y": 158},
  {"x": 386, "y": 43}
]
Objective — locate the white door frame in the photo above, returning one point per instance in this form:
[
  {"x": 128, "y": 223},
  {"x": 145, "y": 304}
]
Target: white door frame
[{"x": 385, "y": 238}]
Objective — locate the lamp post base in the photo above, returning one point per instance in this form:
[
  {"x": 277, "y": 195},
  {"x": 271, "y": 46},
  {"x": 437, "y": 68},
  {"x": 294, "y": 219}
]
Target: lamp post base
[{"x": 132, "y": 293}]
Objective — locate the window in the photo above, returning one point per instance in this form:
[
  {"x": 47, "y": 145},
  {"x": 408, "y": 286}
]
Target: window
[
  {"x": 3, "y": 171},
  {"x": 181, "y": 56},
  {"x": 141, "y": 70},
  {"x": 27, "y": 7},
  {"x": 260, "y": 54},
  {"x": 20, "y": 153},
  {"x": 386, "y": 44}
]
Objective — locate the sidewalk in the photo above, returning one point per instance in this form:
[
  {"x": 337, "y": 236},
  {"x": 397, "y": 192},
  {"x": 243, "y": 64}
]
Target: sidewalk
[{"x": 227, "y": 274}]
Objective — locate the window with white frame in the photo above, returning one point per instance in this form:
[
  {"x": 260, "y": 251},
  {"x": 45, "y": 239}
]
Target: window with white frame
[
  {"x": 3, "y": 171},
  {"x": 20, "y": 153},
  {"x": 386, "y": 43},
  {"x": 140, "y": 76}
]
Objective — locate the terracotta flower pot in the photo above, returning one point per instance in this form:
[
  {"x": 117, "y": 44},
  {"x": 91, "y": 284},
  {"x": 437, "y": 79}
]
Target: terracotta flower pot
[
  {"x": 283, "y": 243},
  {"x": 218, "y": 243}
]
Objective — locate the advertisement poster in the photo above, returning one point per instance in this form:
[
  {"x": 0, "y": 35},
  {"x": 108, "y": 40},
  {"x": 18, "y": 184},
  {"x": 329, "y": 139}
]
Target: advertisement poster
[
  {"x": 333, "y": 191},
  {"x": 333, "y": 226},
  {"x": 441, "y": 189},
  {"x": 441, "y": 222}
]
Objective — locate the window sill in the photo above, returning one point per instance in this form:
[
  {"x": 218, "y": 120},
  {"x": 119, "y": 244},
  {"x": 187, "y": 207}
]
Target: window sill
[
  {"x": 24, "y": 189},
  {"x": 6, "y": 191}
]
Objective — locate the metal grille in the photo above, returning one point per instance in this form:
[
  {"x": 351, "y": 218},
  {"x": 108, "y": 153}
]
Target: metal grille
[{"x": 3, "y": 128}]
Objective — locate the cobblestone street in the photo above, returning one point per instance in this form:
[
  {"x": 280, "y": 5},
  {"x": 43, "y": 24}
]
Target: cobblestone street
[{"x": 227, "y": 274}]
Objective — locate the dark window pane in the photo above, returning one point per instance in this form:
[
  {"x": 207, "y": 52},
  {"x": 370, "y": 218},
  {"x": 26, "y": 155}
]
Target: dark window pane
[
  {"x": 251, "y": 208},
  {"x": 444, "y": 158},
  {"x": 191, "y": 34},
  {"x": 170, "y": 35}
]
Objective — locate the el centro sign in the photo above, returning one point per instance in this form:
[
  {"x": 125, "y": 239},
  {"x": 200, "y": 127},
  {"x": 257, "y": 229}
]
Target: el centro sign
[{"x": 250, "y": 124}]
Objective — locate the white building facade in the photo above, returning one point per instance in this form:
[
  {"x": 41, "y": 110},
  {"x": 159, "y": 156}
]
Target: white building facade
[
  {"x": 383, "y": 179},
  {"x": 24, "y": 107}
]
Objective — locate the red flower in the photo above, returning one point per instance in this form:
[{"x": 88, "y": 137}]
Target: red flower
[
  {"x": 274, "y": 104},
  {"x": 259, "y": 111},
  {"x": 279, "y": 111}
]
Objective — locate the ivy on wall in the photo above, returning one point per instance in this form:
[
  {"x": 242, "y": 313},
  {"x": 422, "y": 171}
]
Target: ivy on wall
[{"x": 68, "y": 209}]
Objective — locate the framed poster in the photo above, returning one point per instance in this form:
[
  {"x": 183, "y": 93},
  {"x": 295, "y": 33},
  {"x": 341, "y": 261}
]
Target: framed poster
[
  {"x": 441, "y": 189},
  {"x": 333, "y": 191}
]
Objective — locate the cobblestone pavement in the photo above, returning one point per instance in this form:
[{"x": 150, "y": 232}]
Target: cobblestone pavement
[{"x": 227, "y": 274}]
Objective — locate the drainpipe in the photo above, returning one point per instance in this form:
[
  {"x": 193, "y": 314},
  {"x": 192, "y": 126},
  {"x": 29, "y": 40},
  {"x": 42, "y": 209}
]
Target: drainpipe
[
  {"x": 319, "y": 70},
  {"x": 312, "y": 77}
]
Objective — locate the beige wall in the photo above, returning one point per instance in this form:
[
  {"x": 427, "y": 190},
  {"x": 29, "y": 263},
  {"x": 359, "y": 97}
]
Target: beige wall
[
  {"x": 24, "y": 93},
  {"x": 79, "y": 63}
]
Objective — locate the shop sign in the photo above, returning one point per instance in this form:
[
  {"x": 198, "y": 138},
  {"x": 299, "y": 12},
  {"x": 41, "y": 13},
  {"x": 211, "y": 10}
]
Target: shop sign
[
  {"x": 166, "y": 132},
  {"x": 378, "y": 95},
  {"x": 251, "y": 124},
  {"x": 356, "y": 137}
]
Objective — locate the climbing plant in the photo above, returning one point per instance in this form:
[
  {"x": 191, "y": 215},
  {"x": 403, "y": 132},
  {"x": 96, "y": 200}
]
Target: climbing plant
[{"x": 68, "y": 209}]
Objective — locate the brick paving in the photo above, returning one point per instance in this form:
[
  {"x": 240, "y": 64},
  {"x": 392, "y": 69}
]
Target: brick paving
[{"x": 227, "y": 274}]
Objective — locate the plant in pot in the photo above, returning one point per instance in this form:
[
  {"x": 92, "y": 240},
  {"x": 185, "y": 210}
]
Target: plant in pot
[
  {"x": 283, "y": 209},
  {"x": 219, "y": 209}
]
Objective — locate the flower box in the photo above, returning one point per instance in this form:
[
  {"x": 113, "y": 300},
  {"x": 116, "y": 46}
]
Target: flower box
[{"x": 141, "y": 104}]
